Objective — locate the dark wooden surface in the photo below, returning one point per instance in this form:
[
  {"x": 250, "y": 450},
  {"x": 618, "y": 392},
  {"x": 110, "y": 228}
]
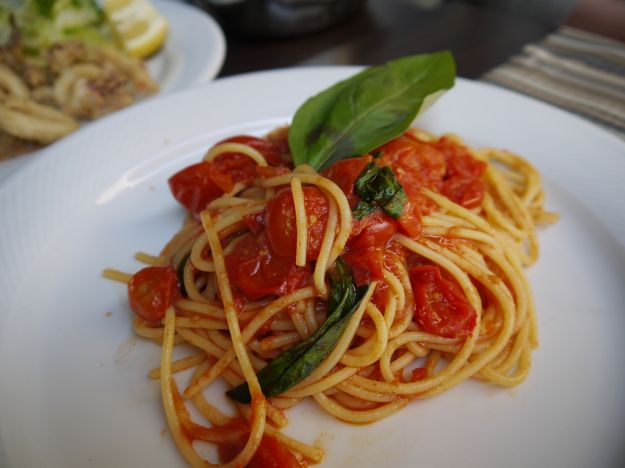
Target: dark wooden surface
[{"x": 481, "y": 37}]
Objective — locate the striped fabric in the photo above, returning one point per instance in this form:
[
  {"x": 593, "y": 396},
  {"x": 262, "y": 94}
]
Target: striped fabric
[{"x": 578, "y": 71}]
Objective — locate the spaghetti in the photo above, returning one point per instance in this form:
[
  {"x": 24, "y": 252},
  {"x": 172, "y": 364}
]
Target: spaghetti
[{"x": 443, "y": 295}]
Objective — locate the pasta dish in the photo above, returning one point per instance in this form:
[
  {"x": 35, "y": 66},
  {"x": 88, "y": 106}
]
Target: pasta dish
[{"x": 377, "y": 279}]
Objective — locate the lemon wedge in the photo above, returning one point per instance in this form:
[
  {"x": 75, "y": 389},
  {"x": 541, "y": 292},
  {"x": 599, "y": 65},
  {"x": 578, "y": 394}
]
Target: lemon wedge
[{"x": 137, "y": 24}]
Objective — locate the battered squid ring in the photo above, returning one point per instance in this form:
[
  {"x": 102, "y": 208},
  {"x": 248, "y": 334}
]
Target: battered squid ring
[
  {"x": 11, "y": 85},
  {"x": 64, "y": 85},
  {"x": 29, "y": 120}
]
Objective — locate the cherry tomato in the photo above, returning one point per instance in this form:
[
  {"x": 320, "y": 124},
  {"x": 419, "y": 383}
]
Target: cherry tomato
[
  {"x": 374, "y": 230},
  {"x": 255, "y": 222},
  {"x": 229, "y": 168},
  {"x": 151, "y": 291},
  {"x": 274, "y": 148},
  {"x": 441, "y": 307},
  {"x": 257, "y": 272},
  {"x": 464, "y": 191},
  {"x": 281, "y": 224},
  {"x": 193, "y": 187},
  {"x": 415, "y": 163},
  {"x": 410, "y": 219},
  {"x": 344, "y": 174},
  {"x": 367, "y": 265}
]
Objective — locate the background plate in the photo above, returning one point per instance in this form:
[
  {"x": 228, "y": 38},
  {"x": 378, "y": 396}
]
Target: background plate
[
  {"x": 74, "y": 390},
  {"x": 192, "y": 54}
]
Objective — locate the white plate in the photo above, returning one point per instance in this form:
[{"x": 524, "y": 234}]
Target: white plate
[
  {"x": 73, "y": 385},
  {"x": 193, "y": 54},
  {"x": 194, "y": 50}
]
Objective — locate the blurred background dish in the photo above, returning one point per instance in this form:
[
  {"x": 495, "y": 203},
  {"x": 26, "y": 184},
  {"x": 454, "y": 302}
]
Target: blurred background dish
[
  {"x": 280, "y": 18},
  {"x": 182, "y": 61}
]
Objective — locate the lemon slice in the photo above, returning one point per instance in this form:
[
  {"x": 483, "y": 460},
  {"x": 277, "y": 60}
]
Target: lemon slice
[{"x": 138, "y": 25}]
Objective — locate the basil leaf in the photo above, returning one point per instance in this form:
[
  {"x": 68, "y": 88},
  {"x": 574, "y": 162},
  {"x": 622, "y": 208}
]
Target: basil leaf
[
  {"x": 298, "y": 362},
  {"x": 362, "y": 210},
  {"x": 365, "y": 111},
  {"x": 180, "y": 274},
  {"x": 378, "y": 187}
]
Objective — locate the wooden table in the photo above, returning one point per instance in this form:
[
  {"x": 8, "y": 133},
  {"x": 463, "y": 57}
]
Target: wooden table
[{"x": 480, "y": 37}]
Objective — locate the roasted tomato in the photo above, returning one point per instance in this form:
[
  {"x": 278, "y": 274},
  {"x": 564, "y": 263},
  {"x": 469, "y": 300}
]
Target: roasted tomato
[
  {"x": 194, "y": 187},
  {"x": 344, "y": 174},
  {"x": 441, "y": 307},
  {"x": 281, "y": 224},
  {"x": 275, "y": 149},
  {"x": 257, "y": 272},
  {"x": 151, "y": 291}
]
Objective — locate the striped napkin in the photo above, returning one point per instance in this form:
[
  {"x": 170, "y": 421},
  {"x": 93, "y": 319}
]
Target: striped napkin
[{"x": 576, "y": 70}]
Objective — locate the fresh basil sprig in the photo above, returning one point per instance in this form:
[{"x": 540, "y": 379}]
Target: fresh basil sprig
[
  {"x": 180, "y": 273},
  {"x": 297, "y": 363},
  {"x": 378, "y": 187},
  {"x": 365, "y": 111}
]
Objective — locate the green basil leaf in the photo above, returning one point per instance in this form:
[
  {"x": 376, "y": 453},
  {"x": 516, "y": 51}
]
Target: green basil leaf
[
  {"x": 180, "y": 274},
  {"x": 378, "y": 187},
  {"x": 365, "y": 111},
  {"x": 395, "y": 206},
  {"x": 298, "y": 362},
  {"x": 362, "y": 210}
]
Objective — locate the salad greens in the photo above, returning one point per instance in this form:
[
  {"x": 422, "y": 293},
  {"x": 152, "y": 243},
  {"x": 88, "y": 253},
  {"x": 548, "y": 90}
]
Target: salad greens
[{"x": 41, "y": 23}]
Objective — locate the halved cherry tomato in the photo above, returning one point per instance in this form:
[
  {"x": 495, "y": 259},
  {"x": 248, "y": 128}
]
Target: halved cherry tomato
[
  {"x": 415, "y": 163},
  {"x": 463, "y": 179},
  {"x": 367, "y": 265},
  {"x": 410, "y": 219},
  {"x": 257, "y": 272},
  {"x": 194, "y": 187},
  {"x": 374, "y": 230},
  {"x": 365, "y": 251},
  {"x": 344, "y": 174},
  {"x": 151, "y": 291},
  {"x": 229, "y": 168},
  {"x": 281, "y": 224},
  {"x": 274, "y": 148},
  {"x": 466, "y": 192},
  {"x": 200, "y": 183},
  {"x": 255, "y": 222},
  {"x": 441, "y": 307}
]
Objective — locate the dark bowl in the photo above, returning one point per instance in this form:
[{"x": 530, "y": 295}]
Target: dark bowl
[{"x": 279, "y": 18}]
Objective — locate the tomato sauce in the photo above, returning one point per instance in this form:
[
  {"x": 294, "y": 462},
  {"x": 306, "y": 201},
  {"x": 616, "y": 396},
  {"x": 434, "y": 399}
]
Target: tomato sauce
[{"x": 262, "y": 263}]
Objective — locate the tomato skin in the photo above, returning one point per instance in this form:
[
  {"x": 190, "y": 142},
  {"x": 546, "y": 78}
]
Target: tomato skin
[
  {"x": 281, "y": 224},
  {"x": 441, "y": 307},
  {"x": 367, "y": 265},
  {"x": 410, "y": 219},
  {"x": 151, "y": 291},
  {"x": 374, "y": 230},
  {"x": 275, "y": 150},
  {"x": 229, "y": 168},
  {"x": 255, "y": 222},
  {"x": 257, "y": 272},
  {"x": 415, "y": 163},
  {"x": 198, "y": 184},
  {"x": 463, "y": 182},
  {"x": 344, "y": 174},
  {"x": 193, "y": 186},
  {"x": 365, "y": 249}
]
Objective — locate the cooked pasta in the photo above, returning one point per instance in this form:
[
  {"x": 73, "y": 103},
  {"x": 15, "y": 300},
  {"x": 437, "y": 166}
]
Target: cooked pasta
[{"x": 250, "y": 281}]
